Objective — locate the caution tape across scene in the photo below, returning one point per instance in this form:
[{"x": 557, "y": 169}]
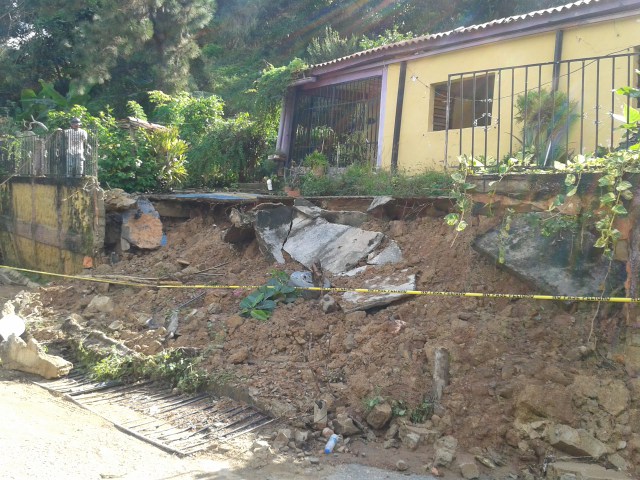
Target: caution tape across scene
[{"x": 513, "y": 296}]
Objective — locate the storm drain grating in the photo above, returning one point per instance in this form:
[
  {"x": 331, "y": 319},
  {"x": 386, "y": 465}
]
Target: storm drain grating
[{"x": 181, "y": 424}]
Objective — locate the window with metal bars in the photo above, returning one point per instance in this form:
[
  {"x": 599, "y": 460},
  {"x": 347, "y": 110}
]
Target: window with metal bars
[{"x": 470, "y": 102}]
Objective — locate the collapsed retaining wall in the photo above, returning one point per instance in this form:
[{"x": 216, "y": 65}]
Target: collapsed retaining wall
[{"x": 51, "y": 224}]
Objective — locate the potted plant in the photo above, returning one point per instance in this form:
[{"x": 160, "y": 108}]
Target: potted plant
[{"x": 317, "y": 162}]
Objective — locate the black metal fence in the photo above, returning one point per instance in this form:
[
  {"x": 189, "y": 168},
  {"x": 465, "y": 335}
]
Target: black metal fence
[
  {"x": 340, "y": 121},
  {"x": 538, "y": 114},
  {"x": 62, "y": 153}
]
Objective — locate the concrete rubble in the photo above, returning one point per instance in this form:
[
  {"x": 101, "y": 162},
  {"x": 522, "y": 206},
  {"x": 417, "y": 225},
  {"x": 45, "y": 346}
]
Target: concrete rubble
[
  {"x": 11, "y": 324},
  {"x": 30, "y": 357},
  {"x": 402, "y": 280},
  {"x": 582, "y": 471},
  {"x": 310, "y": 234}
]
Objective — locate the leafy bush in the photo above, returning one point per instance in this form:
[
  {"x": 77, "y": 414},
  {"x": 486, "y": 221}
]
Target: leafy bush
[
  {"x": 271, "y": 86},
  {"x": 134, "y": 160},
  {"x": 545, "y": 118},
  {"x": 192, "y": 114},
  {"x": 232, "y": 151},
  {"x": 261, "y": 303}
]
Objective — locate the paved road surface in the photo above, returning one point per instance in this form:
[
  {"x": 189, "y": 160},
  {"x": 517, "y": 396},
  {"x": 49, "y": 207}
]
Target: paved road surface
[{"x": 46, "y": 437}]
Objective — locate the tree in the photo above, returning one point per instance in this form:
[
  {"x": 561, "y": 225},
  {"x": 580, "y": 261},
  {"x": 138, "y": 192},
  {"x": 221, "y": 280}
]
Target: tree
[
  {"x": 331, "y": 45},
  {"x": 79, "y": 45}
]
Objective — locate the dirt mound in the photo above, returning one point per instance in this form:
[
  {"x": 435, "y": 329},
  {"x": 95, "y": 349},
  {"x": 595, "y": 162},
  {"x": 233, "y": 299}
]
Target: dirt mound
[{"x": 518, "y": 368}]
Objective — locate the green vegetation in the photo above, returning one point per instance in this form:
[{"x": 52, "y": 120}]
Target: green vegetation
[
  {"x": 363, "y": 180},
  {"x": 261, "y": 303},
  {"x": 545, "y": 118},
  {"x": 172, "y": 366},
  {"x": 399, "y": 408},
  {"x": 616, "y": 169},
  {"x": 213, "y": 73}
]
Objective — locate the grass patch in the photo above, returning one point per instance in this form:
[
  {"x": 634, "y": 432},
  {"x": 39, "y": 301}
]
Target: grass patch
[
  {"x": 173, "y": 367},
  {"x": 360, "y": 180}
]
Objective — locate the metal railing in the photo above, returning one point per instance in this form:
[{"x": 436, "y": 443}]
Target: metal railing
[
  {"x": 340, "y": 121},
  {"x": 62, "y": 153},
  {"x": 539, "y": 113}
]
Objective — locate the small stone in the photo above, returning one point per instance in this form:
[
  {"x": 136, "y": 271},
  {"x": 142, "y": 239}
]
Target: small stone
[
  {"x": 379, "y": 415},
  {"x": 469, "y": 470},
  {"x": 313, "y": 460},
  {"x": 329, "y": 304},
  {"x": 618, "y": 462},
  {"x": 116, "y": 325},
  {"x": 401, "y": 465},
  {"x": 411, "y": 440},
  {"x": 391, "y": 443}
]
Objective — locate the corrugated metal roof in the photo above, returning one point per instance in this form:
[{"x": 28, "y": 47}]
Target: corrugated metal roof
[{"x": 418, "y": 41}]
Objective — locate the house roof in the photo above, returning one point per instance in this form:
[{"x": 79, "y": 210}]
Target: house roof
[{"x": 546, "y": 19}]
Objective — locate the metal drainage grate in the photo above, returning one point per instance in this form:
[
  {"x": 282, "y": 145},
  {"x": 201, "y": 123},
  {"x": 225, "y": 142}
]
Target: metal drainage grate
[{"x": 181, "y": 424}]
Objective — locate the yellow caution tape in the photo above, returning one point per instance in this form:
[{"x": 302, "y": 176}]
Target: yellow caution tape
[{"x": 513, "y": 296}]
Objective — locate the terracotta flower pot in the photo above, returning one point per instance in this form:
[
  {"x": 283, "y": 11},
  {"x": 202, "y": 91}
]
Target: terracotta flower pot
[{"x": 292, "y": 192}]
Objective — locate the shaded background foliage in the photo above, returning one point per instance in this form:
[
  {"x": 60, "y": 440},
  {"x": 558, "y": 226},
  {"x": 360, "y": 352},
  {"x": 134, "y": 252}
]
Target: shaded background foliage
[
  {"x": 118, "y": 50},
  {"x": 212, "y": 71}
]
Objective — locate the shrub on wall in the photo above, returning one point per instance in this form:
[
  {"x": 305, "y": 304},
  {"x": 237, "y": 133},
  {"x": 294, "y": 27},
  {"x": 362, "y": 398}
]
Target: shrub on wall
[{"x": 232, "y": 151}]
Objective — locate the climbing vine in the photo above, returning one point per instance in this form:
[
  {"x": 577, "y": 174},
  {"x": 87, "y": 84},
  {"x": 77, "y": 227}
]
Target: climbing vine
[{"x": 615, "y": 168}]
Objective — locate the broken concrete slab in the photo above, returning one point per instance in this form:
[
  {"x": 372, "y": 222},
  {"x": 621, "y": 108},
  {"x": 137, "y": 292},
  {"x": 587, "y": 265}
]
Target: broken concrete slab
[
  {"x": 350, "y": 218},
  {"x": 397, "y": 281},
  {"x": 272, "y": 228},
  {"x": 582, "y": 471},
  {"x": 379, "y": 206},
  {"x": 555, "y": 264},
  {"x": 14, "y": 277},
  {"x": 117, "y": 200},
  {"x": 337, "y": 247},
  {"x": 11, "y": 324},
  {"x": 141, "y": 227},
  {"x": 29, "y": 357},
  {"x": 391, "y": 254}
]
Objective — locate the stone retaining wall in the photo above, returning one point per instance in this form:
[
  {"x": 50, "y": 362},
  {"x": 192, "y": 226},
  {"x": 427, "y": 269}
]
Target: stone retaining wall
[{"x": 48, "y": 224}]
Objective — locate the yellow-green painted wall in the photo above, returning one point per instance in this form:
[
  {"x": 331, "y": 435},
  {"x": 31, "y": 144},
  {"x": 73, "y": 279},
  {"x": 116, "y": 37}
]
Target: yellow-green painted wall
[
  {"x": 48, "y": 225},
  {"x": 422, "y": 148}
]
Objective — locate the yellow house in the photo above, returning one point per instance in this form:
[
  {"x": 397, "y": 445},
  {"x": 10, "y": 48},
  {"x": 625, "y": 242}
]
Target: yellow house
[{"x": 538, "y": 86}]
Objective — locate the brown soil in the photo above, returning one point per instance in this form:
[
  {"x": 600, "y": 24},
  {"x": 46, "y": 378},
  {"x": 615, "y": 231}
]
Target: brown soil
[{"x": 498, "y": 347}]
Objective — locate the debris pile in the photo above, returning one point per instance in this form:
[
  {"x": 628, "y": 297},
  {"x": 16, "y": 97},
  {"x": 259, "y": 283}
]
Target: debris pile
[{"x": 477, "y": 387}]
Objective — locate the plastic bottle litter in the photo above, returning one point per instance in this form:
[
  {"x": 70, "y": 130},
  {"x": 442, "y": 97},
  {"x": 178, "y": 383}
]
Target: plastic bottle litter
[
  {"x": 333, "y": 439},
  {"x": 269, "y": 184}
]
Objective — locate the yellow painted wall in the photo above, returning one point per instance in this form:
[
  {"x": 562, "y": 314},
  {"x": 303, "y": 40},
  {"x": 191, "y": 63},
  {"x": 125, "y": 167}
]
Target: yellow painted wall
[
  {"x": 421, "y": 148},
  {"x": 49, "y": 226}
]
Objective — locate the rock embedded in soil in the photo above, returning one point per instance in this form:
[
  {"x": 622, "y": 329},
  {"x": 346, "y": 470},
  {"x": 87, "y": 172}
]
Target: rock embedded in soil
[
  {"x": 343, "y": 425},
  {"x": 379, "y": 416},
  {"x": 445, "y": 451},
  {"x": 576, "y": 442}
]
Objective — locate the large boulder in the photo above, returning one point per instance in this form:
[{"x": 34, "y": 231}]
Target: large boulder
[
  {"x": 141, "y": 227},
  {"x": 545, "y": 401},
  {"x": 29, "y": 357},
  {"x": 568, "y": 265}
]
